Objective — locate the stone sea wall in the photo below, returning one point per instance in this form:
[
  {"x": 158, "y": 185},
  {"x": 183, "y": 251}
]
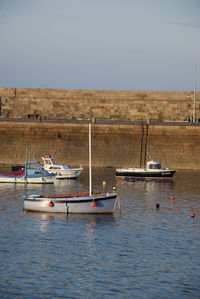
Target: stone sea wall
[
  {"x": 117, "y": 105},
  {"x": 112, "y": 144}
]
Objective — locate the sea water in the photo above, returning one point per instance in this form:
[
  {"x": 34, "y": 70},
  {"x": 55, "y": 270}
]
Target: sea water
[{"x": 140, "y": 251}]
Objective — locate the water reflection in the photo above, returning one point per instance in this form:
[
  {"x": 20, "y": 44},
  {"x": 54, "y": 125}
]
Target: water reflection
[
  {"x": 89, "y": 220},
  {"x": 44, "y": 216},
  {"x": 148, "y": 186},
  {"x": 9, "y": 186},
  {"x": 66, "y": 182}
]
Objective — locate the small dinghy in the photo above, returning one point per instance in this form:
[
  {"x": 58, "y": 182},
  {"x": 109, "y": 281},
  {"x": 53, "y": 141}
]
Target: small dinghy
[
  {"x": 32, "y": 173},
  {"x": 73, "y": 203},
  {"x": 80, "y": 202},
  {"x": 61, "y": 171},
  {"x": 153, "y": 170}
]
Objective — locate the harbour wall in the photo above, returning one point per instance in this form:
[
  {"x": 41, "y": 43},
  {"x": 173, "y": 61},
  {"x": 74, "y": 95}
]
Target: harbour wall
[
  {"x": 114, "y": 105},
  {"x": 116, "y": 145}
]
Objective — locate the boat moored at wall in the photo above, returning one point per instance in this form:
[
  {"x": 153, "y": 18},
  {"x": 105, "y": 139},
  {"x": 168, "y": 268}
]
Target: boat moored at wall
[{"x": 153, "y": 170}]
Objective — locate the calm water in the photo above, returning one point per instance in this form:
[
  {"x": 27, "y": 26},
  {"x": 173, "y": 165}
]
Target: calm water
[{"x": 142, "y": 253}]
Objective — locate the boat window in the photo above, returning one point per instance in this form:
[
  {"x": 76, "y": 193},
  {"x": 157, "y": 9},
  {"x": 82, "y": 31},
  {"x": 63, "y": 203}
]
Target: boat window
[
  {"x": 154, "y": 166},
  {"x": 50, "y": 161},
  {"x": 32, "y": 166}
]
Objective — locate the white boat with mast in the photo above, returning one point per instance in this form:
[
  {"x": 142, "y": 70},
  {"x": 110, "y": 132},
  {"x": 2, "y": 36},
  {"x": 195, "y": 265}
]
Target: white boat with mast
[{"x": 78, "y": 202}]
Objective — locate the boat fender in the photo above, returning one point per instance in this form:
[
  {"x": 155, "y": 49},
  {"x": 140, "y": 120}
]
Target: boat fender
[
  {"x": 93, "y": 204},
  {"x": 51, "y": 204}
]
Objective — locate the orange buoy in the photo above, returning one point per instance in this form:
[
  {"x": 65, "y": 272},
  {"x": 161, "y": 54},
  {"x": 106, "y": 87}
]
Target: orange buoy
[
  {"x": 192, "y": 215},
  {"x": 172, "y": 197},
  {"x": 93, "y": 204},
  {"x": 51, "y": 204}
]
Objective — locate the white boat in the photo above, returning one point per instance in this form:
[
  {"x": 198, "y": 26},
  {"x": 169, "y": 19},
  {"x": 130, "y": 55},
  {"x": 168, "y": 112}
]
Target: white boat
[
  {"x": 31, "y": 173},
  {"x": 79, "y": 202},
  {"x": 61, "y": 171},
  {"x": 153, "y": 170}
]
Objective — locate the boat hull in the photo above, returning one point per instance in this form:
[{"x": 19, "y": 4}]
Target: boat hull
[
  {"x": 67, "y": 174},
  {"x": 27, "y": 180},
  {"x": 104, "y": 204},
  {"x": 147, "y": 175}
]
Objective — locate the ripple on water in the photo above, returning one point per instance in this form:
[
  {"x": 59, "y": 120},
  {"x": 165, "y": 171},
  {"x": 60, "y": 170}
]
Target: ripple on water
[{"x": 145, "y": 252}]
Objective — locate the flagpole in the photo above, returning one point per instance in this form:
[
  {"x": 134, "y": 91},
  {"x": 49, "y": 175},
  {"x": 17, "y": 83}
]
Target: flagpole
[{"x": 194, "y": 105}]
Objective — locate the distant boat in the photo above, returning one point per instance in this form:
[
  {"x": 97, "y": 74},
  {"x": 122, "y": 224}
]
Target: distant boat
[
  {"x": 31, "y": 173},
  {"x": 78, "y": 202},
  {"x": 153, "y": 170},
  {"x": 61, "y": 171},
  {"x": 150, "y": 170}
]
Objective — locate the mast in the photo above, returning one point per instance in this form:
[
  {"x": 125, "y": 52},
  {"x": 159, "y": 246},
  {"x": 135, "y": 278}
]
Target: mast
[
  {"x": 194, "y": 105},
  {"x": 90, "y": 160}
]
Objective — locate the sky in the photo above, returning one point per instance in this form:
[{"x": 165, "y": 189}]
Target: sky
[{"x": 100, "y": 44}]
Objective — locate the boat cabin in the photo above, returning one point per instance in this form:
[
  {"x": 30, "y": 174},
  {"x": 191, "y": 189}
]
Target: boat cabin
[
  {"x": 50, "y": 161},
  {"x": 34, "y": 168},
  {"x": 153, "y": 165},
  {"x": 51, "y": 164}
]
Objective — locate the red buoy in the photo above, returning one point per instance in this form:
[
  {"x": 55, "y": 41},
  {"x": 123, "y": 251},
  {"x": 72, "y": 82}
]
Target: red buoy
[
  {"x": 172, "y": 197},
  {"x": 192, "y": 215},
  {"x": 51, "y": 204},
  {"x": 93, "y": 204}
]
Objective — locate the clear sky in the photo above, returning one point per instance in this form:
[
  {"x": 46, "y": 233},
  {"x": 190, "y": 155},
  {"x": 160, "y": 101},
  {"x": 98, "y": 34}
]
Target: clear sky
[{"x": 100, "y": 44}]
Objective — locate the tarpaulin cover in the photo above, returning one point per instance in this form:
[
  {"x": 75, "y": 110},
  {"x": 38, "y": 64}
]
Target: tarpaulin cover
[{"x": 20, "y": 172}]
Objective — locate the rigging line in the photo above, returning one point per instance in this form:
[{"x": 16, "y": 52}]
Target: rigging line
[
  {"x": 146, "y": 141},
  {"x": 168, "y": 165},
  {"x": 149, "y": 155},
  {"x": 141, "y": 146}
]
